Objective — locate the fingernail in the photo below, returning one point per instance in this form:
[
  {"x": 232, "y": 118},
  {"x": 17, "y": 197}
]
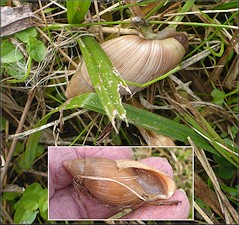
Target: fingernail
[{"x": 181, "y": 190}]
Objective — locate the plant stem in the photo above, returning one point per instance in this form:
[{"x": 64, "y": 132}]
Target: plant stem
[{"x": 186, "y": 7}]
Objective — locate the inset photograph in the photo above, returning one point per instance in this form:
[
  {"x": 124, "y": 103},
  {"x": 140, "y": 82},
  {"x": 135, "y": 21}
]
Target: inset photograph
[{"x": 120, "y": 182}]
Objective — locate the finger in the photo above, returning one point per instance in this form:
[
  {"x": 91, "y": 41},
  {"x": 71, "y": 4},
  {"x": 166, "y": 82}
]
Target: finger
[
  {"x": 109, "y": 152},
  {"x": 179, "y": 211},
  {"x": 60, "y": 178},
  {"x": 77, "y": 207},
  {"x": 62, "y": 205},
  {"x": 159, "y": 163}
]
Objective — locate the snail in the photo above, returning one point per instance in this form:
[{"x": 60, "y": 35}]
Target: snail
[
  {"x": 137, "y": 59},
  {"x": 120, "y": 182}
]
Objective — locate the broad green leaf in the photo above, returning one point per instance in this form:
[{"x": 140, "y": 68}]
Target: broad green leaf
[
  {"x": 36, "y": 49},
  {"x": 105, "y": 78},
  {"x": 76, "y": 10},
  {"x": 28, "y": 201},
  {"x": 9, "y": 53},
  {"x": 25, "y": 35}
]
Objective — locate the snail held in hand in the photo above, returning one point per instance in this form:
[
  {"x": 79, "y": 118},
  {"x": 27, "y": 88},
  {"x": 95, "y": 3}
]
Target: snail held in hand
[
  {"x": 120, "y": 182},
  {"x": 137, "y": 59}
]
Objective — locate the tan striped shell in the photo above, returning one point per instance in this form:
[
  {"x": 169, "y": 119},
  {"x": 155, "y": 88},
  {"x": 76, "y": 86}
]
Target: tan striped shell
[
  {"x": 137, "y": 60},
  {"x": 120, "y": 182}
]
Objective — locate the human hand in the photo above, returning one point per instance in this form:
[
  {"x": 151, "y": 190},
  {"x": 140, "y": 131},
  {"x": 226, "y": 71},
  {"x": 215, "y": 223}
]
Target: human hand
[{"x": 65, "y": 204}]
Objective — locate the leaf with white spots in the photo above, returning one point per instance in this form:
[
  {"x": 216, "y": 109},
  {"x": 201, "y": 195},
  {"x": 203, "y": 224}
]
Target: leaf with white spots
[{"x": 105, "y": 78}]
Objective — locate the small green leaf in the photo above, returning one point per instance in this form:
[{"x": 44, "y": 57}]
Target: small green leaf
[
  {"x": 16, "y": 70},
  {"x": 10, "y": 195},
  {"x": 36, "y": 49},
  {"x": 24, "y": 71},
  {"x": 224, "y": 172},
  {"x": 25, "y": 35},
  {"x": 24, "y": 216},
  {"x": 27, "y": 207},
  {"x": 9, "y": 53},
  {"x": 218, "y": 96},
  {"x": 33, "y": 188}
]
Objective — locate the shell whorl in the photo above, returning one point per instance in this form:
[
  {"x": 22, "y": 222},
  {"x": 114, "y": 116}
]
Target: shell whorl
[{"x": 137, "y": 59}]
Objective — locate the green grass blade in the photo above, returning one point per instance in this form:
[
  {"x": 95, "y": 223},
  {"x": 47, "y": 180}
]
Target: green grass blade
[
  {"x": 135, "y": 116},
  {"x": 104, "y": 77},
  {"x": 227, "y": 5},
  {"x": 76, "y": 10},
  {"x": 209, "y": 134},
  {"x": 164, "y": 126},
  {"x": 186, "y": 7}
]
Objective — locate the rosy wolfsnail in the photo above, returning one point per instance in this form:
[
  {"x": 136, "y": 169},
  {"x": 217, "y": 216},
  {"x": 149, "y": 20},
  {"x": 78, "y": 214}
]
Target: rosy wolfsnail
[
  {"x": 137, "y": 59},
  {"x": 120, "y": 182}
]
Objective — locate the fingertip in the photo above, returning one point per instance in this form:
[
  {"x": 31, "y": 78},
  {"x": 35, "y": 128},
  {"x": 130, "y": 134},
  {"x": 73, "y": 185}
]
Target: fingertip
[{"x": 159, "y": 163}]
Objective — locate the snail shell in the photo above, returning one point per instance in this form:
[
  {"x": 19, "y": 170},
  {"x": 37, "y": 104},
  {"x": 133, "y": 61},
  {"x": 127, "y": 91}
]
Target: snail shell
[
  {"x": 120, "y": 182},
  {"x": 137, "y": 59}
]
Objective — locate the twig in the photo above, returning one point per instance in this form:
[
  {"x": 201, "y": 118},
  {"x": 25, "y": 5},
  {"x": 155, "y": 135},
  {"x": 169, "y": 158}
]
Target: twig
[
  {"x": 28, "y": 132},
  {"x": 203, "y": 214},
  {"x": 19, "y": 129},
  {"x": 6, "y": 215},
  {"x": 229, "y": 213}
]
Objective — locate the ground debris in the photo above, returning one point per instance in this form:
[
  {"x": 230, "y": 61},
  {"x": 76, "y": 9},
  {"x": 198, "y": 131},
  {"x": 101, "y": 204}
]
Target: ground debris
[{"x": 15, "y": 19}]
